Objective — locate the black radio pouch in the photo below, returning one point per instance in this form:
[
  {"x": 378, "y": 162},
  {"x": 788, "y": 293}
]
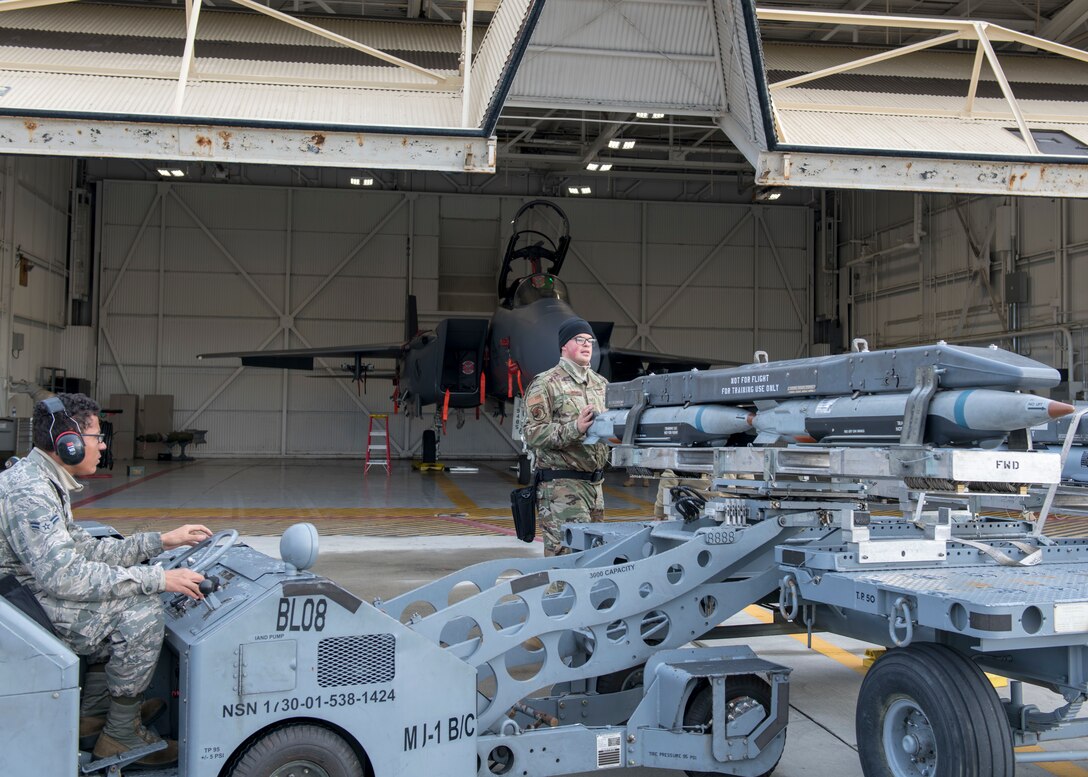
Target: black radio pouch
[
  {"x": 523, "y": 508},
  {"x": 20, "y": 597}
]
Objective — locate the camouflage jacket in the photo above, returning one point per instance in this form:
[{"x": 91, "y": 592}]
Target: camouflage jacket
[
  {"x": 47, "y": 551},
  {"x": 552, "y": 404}
]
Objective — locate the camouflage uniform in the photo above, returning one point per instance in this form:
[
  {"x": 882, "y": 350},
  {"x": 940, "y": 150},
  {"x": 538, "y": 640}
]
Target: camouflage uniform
[
  {"x": 552, "y": 404},
  {"x": 100, "y": 601}
]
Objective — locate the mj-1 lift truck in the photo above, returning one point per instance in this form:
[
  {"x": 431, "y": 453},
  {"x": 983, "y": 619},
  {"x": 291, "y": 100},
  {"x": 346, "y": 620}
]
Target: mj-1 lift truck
[{"x": 579, "y": 662}]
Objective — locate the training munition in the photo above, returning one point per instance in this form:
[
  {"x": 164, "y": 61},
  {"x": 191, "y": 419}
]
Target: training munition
[
  {"x": 866, "y": 372},
  {"x": 955, "y": 417},
  {"x": 696, "y": 425}
]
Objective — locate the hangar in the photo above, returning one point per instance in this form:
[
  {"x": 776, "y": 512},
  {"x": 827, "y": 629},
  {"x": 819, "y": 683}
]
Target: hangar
[{"x": 198, "y": 176}]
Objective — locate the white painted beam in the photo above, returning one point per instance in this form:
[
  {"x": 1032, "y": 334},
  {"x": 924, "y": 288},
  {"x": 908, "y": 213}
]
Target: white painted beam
[
  {"x": 250, "y": 145},
  {"x": 192, "y": 20},
  {"x": 888, "y": 173}
]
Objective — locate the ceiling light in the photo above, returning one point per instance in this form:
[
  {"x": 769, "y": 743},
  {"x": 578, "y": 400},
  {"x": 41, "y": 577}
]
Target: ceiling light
[
  {"x": 626, "y": 145},
  {"x": 368, "y": 182},
  {"x": 642, "y": 115},
  {"x": 657, "y": 116},
  {"x": 767, "y": 194},
  {"x": 355, "y": 181},
  {"x": 177, "y": 173},
  {"x": 593, "y": 166},
  {"x": 586, "y": 190},
  {"x": 163, "y": 172},
  {"x": 572, "y": 190},
  {"x": 606, "y": 167}
]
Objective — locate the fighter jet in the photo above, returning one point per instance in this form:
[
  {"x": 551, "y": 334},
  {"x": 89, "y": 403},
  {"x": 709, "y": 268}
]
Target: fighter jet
[{"x": 463, "y": 362}]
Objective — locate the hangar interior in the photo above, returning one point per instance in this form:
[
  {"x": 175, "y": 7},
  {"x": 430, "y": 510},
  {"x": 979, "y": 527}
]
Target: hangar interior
[
  {"x": 142, "y": 263},
  {"x": 182, "y": 177}
]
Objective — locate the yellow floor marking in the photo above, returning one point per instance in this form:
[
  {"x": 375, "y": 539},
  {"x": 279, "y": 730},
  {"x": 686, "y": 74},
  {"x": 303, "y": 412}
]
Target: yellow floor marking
[
  {"x": 834, "y": 652},
  {"x": 454, "y": 493},
  {"x": 627, "y": 494},
  {"x": 1060, "y": 768}
]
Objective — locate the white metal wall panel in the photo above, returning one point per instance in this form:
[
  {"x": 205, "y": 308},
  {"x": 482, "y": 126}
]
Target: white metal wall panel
[
  {"x": 33, "y": 222},
  {"x": 743, "y": 119},
  {"x": 493, "y": 54},
  {"x": 935, "y": 292},
  {"x": 231, "y": 26},
  {"x": 801, "y": 58},
  {"x": 736, "y": 303},
  {"x": 634, "y": 53},
  {"x": 673, "y": 27}
]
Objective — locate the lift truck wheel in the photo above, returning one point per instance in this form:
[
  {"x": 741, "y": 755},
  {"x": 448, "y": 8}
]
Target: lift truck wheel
[
  {"x": 298, "y": 749},
  {"x": 741, "y": 691},
  {"x": 927, "y": 709},
  {"x": 623, "y": 680}
]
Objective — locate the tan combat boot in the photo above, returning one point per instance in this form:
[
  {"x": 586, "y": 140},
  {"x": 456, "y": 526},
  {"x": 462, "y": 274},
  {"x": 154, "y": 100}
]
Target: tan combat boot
[
  {"x": 124, "y": 732},
  {"x": 96, "y": 703}
]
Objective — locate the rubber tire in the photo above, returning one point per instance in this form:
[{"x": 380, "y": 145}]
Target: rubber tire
[
  {"x": 623, "y": 680},
  {"x": 298, "y": 742},
  {"x": 525, "y": 470},
  {"x": 701, "y": 708},
  {"x": 971, "y": 731},
  {"x": 430, "y": 446}
]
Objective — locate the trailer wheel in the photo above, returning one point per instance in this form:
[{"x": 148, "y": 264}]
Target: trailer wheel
[
  {"x": 298, "y": 750},
  {"x": 741, "y": 692},
  {"x": 927, "y": 709}
]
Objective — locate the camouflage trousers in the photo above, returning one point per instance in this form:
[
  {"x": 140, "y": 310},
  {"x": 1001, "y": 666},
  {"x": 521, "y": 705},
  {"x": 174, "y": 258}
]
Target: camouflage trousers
[
  {"x": 566, "y": 501},
  {"x": 127, "y": 633}
]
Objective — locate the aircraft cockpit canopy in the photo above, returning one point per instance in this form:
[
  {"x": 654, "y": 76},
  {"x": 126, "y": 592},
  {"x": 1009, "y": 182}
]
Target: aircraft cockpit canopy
[{"x": 540, "y": 285}]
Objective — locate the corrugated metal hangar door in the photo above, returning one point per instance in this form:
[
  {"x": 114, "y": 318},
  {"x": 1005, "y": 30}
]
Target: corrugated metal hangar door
[{"x": 192, "y": 268}]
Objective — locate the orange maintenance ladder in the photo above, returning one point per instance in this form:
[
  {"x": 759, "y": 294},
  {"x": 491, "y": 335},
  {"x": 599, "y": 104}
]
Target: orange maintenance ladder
[{"x": 380, "y": 446}]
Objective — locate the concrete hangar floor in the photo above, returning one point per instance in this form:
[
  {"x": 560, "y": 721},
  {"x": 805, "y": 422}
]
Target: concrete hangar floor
[{"x": 384, "y": 534}]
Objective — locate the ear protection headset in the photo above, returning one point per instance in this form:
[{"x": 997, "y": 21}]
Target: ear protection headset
[{"x": 68, "y": 444}]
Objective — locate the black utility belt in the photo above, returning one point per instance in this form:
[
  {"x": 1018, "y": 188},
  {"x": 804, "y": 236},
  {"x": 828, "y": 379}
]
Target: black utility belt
[{"x": 546, "y": 475}]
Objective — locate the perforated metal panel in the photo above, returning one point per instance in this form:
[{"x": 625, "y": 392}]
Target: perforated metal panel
[{"x": 357, "y": 660}]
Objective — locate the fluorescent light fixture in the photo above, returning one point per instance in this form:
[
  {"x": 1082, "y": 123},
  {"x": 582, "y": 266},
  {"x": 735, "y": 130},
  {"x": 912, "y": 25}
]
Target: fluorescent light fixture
[
  {"x": 368, "y": 182},
  {"x": 593, "y": 166},
  {"x": 586, "y": 190},
  {"x": 606, "y": 167},
  {"x": 177, "y": 173},
  {"x": 572, "y": 190},
  {"x": 626, "y": 145},
  {"x": 657, "y": 116},
  {"x": 642, "y": 115},
  {"x": 767, "y": 194},
  {"x": 163, "y": 172},
  {"x": 602, "y": 167},
  {"x": 355, "y": 181}
]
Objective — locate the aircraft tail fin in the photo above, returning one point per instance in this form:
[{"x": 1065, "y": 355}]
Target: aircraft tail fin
[{"x": 411, "y": 318}]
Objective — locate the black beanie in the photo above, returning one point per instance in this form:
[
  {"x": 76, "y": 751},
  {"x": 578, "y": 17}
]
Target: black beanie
[{"x": 573, "y": 327}]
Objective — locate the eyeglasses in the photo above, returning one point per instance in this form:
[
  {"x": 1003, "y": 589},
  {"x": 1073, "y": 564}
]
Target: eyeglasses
[
  {"x": 98, "y": 437},
  {"x": 584, "y": 340}
]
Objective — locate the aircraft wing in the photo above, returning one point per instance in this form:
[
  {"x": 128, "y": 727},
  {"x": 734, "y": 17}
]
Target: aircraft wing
[
  {"x": 303, "y": 358},
  {"x": 627, "y": 363}
]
